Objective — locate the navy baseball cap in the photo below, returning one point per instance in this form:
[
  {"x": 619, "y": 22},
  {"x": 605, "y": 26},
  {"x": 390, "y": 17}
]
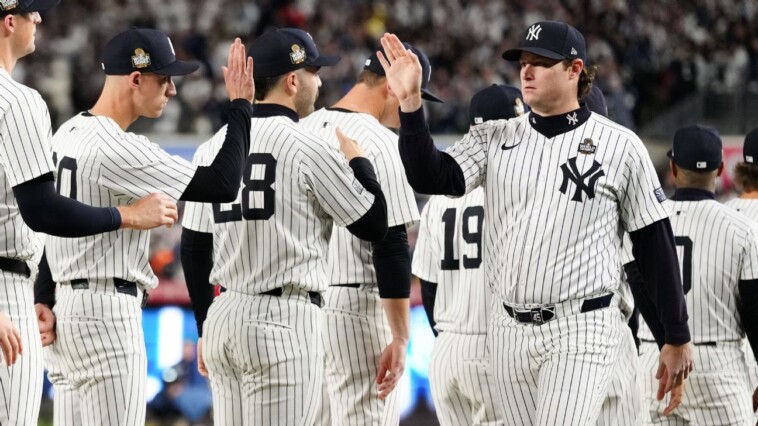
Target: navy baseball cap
[
  {"x": 595, "y": 101},
  {"x": 144, "y": 50},
  {"x": 372, "y": 64},
  {"x": 496, "y": 102},
  {"x": 8, "y": 7},
  {"x": 551, "y": 39},
  {"x": 280, "y": 51},
  {"x": 750, "y": 147},
  {"x": 697, "y": 148}
]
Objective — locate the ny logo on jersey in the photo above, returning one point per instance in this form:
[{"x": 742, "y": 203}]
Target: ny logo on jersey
[
  {"x": 572, "y": 119},
  {"x": 534, "y": 32},
  {"x": 571, "y": 172}
]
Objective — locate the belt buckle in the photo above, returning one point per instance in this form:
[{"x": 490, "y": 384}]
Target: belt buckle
[{"x": 543, "y": 314}]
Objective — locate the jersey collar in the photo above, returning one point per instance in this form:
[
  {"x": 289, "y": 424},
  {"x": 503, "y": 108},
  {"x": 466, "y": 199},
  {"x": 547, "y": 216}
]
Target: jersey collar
[
  {"x": 692, "y": 194},
  {"x": 554, "y": 125},
  {"x": 274, "y": 110}
]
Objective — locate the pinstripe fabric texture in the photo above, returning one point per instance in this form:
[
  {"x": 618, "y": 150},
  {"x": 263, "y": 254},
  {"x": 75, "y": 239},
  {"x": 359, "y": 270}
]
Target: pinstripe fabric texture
[
  {"x": 21, "y": 384},
  {"x": 102, "y": 372},
  {"x": 296, "y": 185},
  {"x": 355, "y": 314},
  {"x": 623, "y": 404},
  {"x": 25, "y": 135},
  {"x": 750, "y": 209},
  {"x": 717, "y": 247}
]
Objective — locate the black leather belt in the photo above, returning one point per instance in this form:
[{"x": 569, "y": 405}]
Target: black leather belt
[
  {"x": 277, "y": 292},
  {"x": 347, "y": 285},
  {"x": 15, "y": 266},
  {"x": 696, "y": 344},
  {"x": 546, "y": 313},
  {"x": 122, "y": 286}
]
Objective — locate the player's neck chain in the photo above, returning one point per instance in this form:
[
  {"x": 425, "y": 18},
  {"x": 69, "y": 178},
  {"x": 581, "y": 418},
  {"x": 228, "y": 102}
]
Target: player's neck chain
[
  {"x": 554, "y": 125},
  {"x": 273, "y": 110}
]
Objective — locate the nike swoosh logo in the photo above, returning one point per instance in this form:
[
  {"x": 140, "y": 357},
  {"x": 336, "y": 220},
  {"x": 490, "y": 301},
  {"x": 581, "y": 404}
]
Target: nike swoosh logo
[{"x": 506, "y": 148}]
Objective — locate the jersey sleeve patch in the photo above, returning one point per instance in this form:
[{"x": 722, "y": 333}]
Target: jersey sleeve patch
[{"x": 659, "y": 194}]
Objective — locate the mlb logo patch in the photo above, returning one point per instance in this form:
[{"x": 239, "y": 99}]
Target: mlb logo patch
[{"x": 701, "y": 164}]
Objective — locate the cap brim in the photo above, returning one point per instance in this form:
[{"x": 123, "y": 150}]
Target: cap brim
[
  {"x": 515, "y": 54},
  {"x": 429, "y": 96},
  {"x": 178, "y": 68},
  {"x": 325, "y": 61}
]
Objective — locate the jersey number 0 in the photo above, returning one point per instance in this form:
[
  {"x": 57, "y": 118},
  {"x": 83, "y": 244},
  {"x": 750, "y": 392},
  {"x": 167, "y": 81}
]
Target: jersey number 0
[{"x": 239, "y": 211}]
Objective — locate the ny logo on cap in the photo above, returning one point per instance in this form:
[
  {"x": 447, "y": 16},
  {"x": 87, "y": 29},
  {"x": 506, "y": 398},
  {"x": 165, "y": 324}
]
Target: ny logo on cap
[
  {"x": 8, "y": 4},
  {"x": 140, "y": 59},
  {"x": 534, "y": 32},
  {"x": 298, "y": 54}
]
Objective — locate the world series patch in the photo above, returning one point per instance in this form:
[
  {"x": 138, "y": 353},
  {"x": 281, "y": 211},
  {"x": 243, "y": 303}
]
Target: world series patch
[
  {"x": 660, "y": 195},
  {"x": 587, "y": 147}
]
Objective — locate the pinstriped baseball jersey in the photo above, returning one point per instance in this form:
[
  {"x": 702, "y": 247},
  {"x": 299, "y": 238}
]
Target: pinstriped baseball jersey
[
  {"x": 295, "y": 185},
  {"x": 25, "y": 154},
  {"x": 449, "y": 252},
  {"x": 746, "y": 206},
  {"x": 350, "y": 258},
  {"x": 101, "y": 165},
  {"x": 580, "y": 185}
]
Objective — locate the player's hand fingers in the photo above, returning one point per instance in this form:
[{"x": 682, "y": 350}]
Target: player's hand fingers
[
  {"x": 383, "y": 61},
  {"x": 388, "y": 53},
  {"x": 48, "y": 338},
  {"x": 5, "y": 345},
  {"x": 676, "y": 398},
  {"x": 661, "y": 388},
  {"x": 398, "y": 50}
]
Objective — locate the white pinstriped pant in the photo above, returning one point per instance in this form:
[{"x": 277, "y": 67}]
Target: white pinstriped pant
[
  {"x": 463, "y": 387},
  {"x": 355, "y": 333},
  {"x": 623, "y": 403},
  {"x": 717, "y": 391},
  {"x": 558, "y": 372},
  {"x": 264, "y": 359},
  {"x": 98, "y": 362},
  {"x": 21, "y": 384}
]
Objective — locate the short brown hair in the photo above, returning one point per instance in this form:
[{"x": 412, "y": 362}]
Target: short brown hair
[
  {"x": 371, "y": 79},
  {"x": 264, "y": 85},
  {"x": 746, "y": 176},
  {"x": 696, "y": 178},
  {"x": 585, "y": 78}
]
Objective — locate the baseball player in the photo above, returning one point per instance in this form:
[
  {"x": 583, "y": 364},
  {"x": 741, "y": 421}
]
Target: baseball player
[
  {"x": 718, "y": 252},
  {"x": 746, "y": 175},
  {"x": 98, "y": 361},
  {"x": 563, "y": 184},
  {"x": 261, "y": 341},
  {"x": 448, "y": 260},
  {"x": 30, "y": 204},
  {"x": 367, "y": 301}
]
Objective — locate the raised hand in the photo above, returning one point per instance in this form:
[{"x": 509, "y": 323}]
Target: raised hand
[
  {"x": 10, "y": 340},
  {"x": 403, "y": 71},
  {"x": 149, "y": 212},
  {"x": 238, "y": 73}
]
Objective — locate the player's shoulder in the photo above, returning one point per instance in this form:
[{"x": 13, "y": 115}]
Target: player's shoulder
[
  {"x": 443, "y": 202},
  {"x": 16, "y": 94},
  {"x": 731, "y": 218},
  {"x": 615, "y": 133}
]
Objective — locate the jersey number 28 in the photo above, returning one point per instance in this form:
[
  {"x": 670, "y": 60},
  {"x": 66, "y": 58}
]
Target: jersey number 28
[
  {"x": 239, "y": 211},
  {"x": 449, "y": 262}
]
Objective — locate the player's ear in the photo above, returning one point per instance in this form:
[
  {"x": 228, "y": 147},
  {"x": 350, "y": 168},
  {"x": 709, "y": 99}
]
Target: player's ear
[
  {"x": 673, "y": 168},
  {"x": 291, "y": 83},
  {"x": 9, "y": 24},
  {"x": 720, "y": 169},
  {"x": 576, "y": 68},
  {"x": 135, "y": 79}
]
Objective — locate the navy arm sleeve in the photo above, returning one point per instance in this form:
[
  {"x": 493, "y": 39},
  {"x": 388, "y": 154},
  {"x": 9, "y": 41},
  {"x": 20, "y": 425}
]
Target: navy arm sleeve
[
  {"x": 44, "y": 286},
  {"x": 44, "y": 210},
  {"x": 655, "y": 253},
  {"x": 748, "y": 308},
  {"x": 429, "y": 170},
  {"x": 644, "y": 305},
  {"x": 220, "y": 182},
  {"x": 197, "y": 261},
  {"x": 428, "y": 296},
  {"x": 372, "y": 226},
  {"x": 392, "y": 261}
]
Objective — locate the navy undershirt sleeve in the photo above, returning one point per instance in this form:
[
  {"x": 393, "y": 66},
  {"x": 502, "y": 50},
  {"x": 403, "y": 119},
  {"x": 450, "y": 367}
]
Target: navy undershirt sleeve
[
  {"x": 748, "y": 309},
  {"x": 372, "y": 226},
  {"x": 44, "y": 210},
  {"x": 644, "y": 304},
  {"x": 220, "y": 182},
  {"x": 429, "y": 170},
  {"x": 197, "y": 262},
  {"x": 655, "y": 253},
  {"x": 392, "y": 262},
  {"x": 44, "y": 286},
  {"x": 428, "y": 296}
]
